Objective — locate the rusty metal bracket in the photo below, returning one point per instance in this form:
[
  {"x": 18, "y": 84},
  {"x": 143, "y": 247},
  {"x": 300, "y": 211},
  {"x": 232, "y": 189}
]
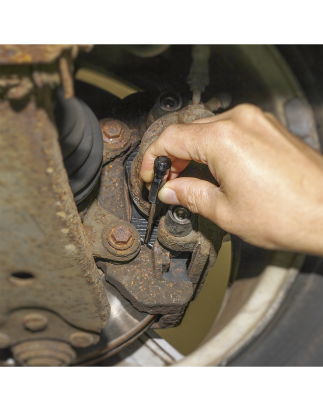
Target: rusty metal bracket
[
  {"x": 30, "y": 324},
  {"x": 141, "y": 281},
  {"x": 45, "y": 259},
  {"x": 100, "y": 228}
]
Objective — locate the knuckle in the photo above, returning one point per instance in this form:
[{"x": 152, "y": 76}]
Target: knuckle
[
  {"x": 197, "y": 198},
  {"x": 248, "y": 112},
  {"x": 225, "y": 130},
  {"x": 191, "y": 199}
]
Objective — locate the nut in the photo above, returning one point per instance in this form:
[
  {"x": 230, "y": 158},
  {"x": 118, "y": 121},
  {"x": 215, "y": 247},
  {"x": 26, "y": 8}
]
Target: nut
[
  {"x": 4, "y": 340},
  {"x": 35, "y": 322},
  {"x": 81, "y": 339},
  {"x": 121, "y": 240},
  {"x": 121, "y": 237},
  {"x": 116, "y": 135},
  {"x": 121, "y": 234},
  {"x": 111, "y": 129}
]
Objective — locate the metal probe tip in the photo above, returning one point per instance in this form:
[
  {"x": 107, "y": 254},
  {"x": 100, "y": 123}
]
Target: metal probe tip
[
  {"x": 161, "y": 171},
  {"x": 150, "y": 222}
]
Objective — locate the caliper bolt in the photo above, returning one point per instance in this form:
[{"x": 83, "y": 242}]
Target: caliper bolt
[
  {"x": 4, "y": 340},
  {"x": 81, "y": 339},
  {"x": 35, "y": 322},
  {"x": 121, "y": 237},
  {"x": 121, "y": 234},
  {"x": 116, "y": 136},
  {"x": 111, "y": 130}
]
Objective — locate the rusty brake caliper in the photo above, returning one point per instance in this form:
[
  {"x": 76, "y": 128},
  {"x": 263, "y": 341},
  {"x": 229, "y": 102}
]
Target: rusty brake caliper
[{"x": 52, "y": 295}]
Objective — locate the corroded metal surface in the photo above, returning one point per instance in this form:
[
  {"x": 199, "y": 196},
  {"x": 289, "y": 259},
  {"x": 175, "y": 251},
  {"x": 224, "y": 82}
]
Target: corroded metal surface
[
  {"x": 203, "y": 246},
  {"x": 141, "y": 281},
  {"x": 116, "y": 135},
  {"x": 171, "y": 242},
  {"x": 43, "y": 353},
  {"x": 81, "y": 339},
  {"x": 113, "y": 195},
  {"x": 26, "y": 324},
  {"x": 204, "y": 241},
  {"x": 99, "y": 224},
  {"x": 48, "y": 264},
  {"x": 35, "y": 54},
  {"x": 35, "y": 321},
  {"x": 118, "y": 138},
  {"x": 45, "y": 260},
  {"x": 120, "y": 237}
]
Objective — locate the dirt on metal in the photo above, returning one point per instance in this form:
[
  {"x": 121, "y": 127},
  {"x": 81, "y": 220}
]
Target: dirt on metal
[
  {"x": 141, "y": 281},
  {"x": 45, "y": 259},
  {"x": 43, "y": 353},
  {"x": 37, "y": 54}
]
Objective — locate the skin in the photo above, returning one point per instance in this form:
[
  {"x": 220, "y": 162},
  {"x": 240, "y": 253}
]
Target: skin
[{"x": 270, "y": 190}]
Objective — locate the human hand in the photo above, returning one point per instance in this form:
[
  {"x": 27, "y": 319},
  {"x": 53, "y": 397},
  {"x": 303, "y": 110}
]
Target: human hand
[{"x": 270, "y": 190}]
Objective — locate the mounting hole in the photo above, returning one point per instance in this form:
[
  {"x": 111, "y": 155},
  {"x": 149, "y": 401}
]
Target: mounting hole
[
  {"x": 170, "y": 101},
  {"x": 22, "y": 278}
]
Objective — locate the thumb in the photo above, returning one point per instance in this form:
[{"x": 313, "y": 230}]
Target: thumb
[{"x": 199, "y": 196}]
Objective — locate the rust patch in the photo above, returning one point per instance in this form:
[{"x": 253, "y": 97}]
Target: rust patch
[
  {"x": 116, "y": 136},
  {"x": 142, "y": 283},
  {"x": 98, "y": 224},
  {"x": 35, "y": 54},
  {"x": 121, "y": 237},
  {"x": 113, "y": 195},
  {"x": 41, "y": 231}
]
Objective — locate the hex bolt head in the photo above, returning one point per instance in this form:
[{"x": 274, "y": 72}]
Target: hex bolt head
[
  {"x": 35, "y": 322},
  {"x": 121, "y": 237},
  {"x": 112, "y": 129},
  {"x": 81, "y": 339},
  {"x": 4, "y": 340},
  {"x": 121, "y": 234},
  {"x": 116, "y": 136}
]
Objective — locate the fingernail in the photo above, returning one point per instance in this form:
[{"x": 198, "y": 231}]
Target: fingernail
[{"x": 168, "y": 196}]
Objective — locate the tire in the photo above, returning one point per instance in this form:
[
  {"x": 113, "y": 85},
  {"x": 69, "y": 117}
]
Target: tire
[{"x": 294, "y": 337}]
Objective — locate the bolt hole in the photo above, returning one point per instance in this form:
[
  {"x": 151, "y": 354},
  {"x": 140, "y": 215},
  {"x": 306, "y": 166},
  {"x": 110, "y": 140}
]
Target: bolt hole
[
  {"x": 22, "y": 277},
  {"x": 182, "y": 214},
  {"x": 170, "y": 101}
]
